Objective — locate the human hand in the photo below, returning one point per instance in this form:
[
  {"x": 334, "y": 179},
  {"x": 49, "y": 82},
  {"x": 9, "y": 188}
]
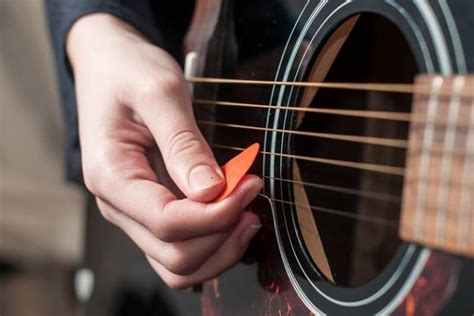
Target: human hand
[{"x": 131, "y": 98}]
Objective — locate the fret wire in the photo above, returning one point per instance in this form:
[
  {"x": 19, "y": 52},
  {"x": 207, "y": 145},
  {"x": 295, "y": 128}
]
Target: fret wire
[
  {"x": 422, "y": 188},
  {"x": 446, "y": 166},
  {"x": 397, "y": 171}
]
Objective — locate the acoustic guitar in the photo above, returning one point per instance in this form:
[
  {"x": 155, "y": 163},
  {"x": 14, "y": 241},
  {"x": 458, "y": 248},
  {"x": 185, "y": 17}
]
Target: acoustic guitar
[{"x": 364, "y": 111}]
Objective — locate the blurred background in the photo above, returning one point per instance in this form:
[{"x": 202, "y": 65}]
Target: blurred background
[
  {"x": 50, "y": 230},
  {"x": 41, "y": 217}
]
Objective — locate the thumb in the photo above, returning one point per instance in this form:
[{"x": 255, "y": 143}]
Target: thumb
[
  {"x": 186, "y": 154},
  {"x": 192, "y": 165}
]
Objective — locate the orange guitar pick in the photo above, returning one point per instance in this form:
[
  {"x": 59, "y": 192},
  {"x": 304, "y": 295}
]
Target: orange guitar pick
[{"x": 236, "y": 168}]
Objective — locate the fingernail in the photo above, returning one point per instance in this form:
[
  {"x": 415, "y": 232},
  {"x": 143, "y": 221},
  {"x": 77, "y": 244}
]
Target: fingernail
[
  {"x": 249, "y": 233},
  {"x": 250, "y": 196},
  {"x": 204, "y": 177}
]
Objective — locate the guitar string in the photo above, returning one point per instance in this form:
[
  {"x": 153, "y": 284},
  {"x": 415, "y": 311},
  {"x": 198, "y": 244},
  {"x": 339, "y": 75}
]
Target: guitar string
[
  {"x": 385, "y": 115},
  {"x": 382, "y": 115},
  {"x": 379, "y": 87},
  {"x": 356, "y": 192},
  {"x": 357, "y": 217},
  {"x": 391, "y": 142},
  {"x": 365, "y": 193},
  {"x": 397, "y": 171},
  {"x": 396, "y": 88},
  {"x": 389, "y": 170},
  {"x": 372, "y": 140},
  {"x": 342, "y": 213}
]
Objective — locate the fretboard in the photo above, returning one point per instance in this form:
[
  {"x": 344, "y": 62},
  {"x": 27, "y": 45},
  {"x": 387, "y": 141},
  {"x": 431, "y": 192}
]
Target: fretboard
[{"x": 438, "y": 197}]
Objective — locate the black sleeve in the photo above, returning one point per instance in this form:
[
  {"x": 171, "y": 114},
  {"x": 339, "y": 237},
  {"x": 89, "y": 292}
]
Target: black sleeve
[{"x": 61, "y": 15}]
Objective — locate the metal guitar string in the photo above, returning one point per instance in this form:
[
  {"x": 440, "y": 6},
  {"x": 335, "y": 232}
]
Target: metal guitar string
[
  {"x": 380, "y": 196},
  {"x": 380, "y": 87},
  {"x": 390, "y": 170},
  {"x": 378, "y": 221},
  {"x": 382, "y": 115},
  {"x": 364, "y": 193},
  {"x": 372, "y": 194},
  {"x": 369, "y": 219},
  {"x": 388, "y": 142},
  {"x": 397, "y": 171},
  {"x": 395, "y": 116}
]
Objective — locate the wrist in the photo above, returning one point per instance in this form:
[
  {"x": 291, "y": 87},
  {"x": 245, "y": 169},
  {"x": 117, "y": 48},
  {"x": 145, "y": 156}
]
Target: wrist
[{"x": 93, "y": 33}]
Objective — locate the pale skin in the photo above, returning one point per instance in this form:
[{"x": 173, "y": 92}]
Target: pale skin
[{"x": 132, "y": 97}]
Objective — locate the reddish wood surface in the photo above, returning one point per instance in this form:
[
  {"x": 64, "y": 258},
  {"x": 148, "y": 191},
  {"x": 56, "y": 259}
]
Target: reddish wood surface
[{"x": 433, "y": 288}]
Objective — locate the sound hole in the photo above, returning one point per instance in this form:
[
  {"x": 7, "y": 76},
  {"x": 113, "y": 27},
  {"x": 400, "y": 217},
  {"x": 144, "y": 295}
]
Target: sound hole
[{"x": 358, "y": 246}]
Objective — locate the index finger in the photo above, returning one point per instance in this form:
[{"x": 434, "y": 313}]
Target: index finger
[{"x": 170, "y": 219}]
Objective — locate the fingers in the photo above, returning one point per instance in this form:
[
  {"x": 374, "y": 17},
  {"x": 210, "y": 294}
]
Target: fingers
[
  {"x": 224, "y": 258},
  {"x": 170, "y": 219},
  {"x": 181, "y": 258},
  {"x": 165, "y": 107},
  {"x": 143, "y": 99},
  {"x": 118, "y": 172}
]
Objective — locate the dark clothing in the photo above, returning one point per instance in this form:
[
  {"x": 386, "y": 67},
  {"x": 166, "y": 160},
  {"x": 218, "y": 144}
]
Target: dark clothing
[{"x": 147, "y": 16}]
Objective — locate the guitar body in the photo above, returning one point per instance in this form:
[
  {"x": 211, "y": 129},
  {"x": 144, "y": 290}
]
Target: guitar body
[{"x": 330, "y": 238}]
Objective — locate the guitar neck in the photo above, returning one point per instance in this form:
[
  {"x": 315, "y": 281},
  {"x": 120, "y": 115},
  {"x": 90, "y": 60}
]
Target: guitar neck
[{"x": 438, "y": 198}]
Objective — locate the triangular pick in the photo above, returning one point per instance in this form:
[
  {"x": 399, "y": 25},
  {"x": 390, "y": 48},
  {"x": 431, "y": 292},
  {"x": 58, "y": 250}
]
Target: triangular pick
[{"x": 236, "y": 168}]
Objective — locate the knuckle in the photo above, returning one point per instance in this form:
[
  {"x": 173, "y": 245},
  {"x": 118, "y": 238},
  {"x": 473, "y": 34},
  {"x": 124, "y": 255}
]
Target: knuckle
[
  {"x": 166, "y": 233},
  {"x": 99, "y": 173},
  {"x": 147, "y": 88},
  {"x": 151, "y": 87},
  {"x": 179, "y": 263},
  {"x": 222, "y": 220},
  {"x": 184, "y": 142},
  {"x": 92, "y": 177},
  {"x": 171, "y": 82},
  {"x": 163, "y": 232},
  {"x": 106, "y": 213},
  {"x": 172, "y": 281},
  {"x": 161, "y": 227}
]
